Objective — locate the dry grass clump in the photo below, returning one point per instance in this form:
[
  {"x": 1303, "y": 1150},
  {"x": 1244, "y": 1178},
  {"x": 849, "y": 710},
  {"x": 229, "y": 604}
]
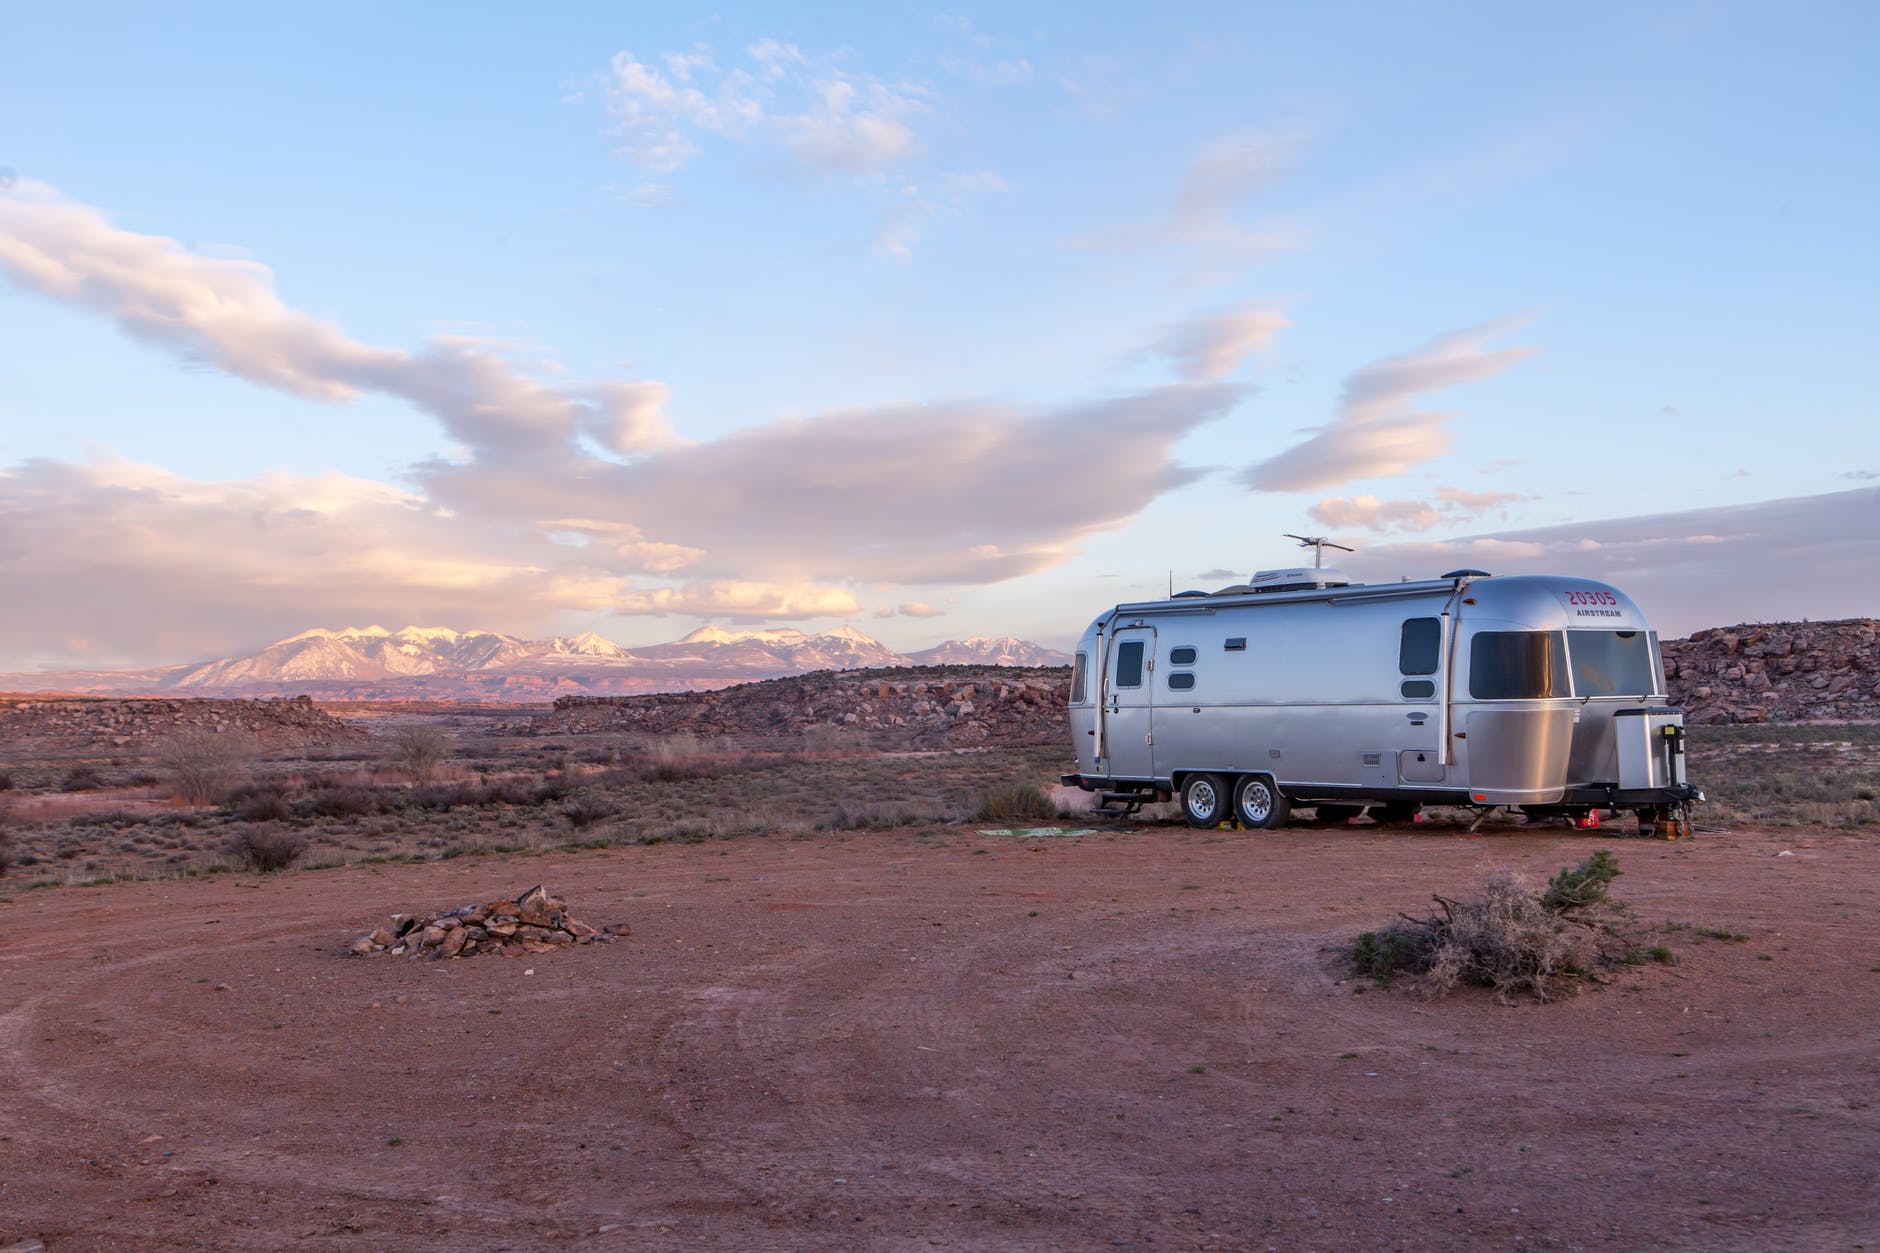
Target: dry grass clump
[
  {"x": 267, "y": 849},
  {"x": 1514, "y": 939},
  {"x": 1014, "y": 800}
]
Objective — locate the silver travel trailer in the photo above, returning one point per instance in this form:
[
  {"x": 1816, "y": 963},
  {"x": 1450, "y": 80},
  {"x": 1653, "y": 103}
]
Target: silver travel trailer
[{"x": 1299, "y": 688}]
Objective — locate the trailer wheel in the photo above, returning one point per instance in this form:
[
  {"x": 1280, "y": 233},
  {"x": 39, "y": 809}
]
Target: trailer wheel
[
  {"x": 1258, "y": 804},
  {"x": 1204, "y": 800}
]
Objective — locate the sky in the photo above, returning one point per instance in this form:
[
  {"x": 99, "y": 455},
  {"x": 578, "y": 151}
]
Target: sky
[{"x": 932, "y": 322}]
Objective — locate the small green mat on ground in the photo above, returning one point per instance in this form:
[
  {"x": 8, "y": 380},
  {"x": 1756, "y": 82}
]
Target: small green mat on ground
[{"x": 1038, "y": 833}]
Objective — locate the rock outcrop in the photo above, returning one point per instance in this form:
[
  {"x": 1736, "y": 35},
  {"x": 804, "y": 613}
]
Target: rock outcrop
[
  {"x": 88, "y": 722},
  {"x": 933, "y": 707},
  {"x": 1777, "y": 672}
]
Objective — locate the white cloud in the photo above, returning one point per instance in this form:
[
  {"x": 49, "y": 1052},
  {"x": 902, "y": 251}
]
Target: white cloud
[
  {"x": 1202, "y": 216},
  {"x": 827, "y": 117},
  {"x": 1099, "y": 87},
  {"x": 1376, "y": 432}
]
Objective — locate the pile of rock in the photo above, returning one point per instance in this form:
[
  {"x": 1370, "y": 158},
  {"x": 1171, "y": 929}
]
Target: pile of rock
[
  {"x": 1777, "y": 672},
  {"x": 534, "y": 922},
  {"x": 926, "y": 706}
]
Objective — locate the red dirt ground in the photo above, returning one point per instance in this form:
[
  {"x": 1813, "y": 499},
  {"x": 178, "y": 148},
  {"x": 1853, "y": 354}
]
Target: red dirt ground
[{"x": 1141, "y": 1040}]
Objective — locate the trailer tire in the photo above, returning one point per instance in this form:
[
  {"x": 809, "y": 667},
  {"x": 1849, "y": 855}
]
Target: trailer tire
[
  {"x": 1204, "y": 801},
  {"x": 1258, "y": 804}
]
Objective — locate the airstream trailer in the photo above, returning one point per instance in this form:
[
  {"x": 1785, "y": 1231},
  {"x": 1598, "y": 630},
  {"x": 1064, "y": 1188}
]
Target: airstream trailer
[{"x": 1300, "y": 688}]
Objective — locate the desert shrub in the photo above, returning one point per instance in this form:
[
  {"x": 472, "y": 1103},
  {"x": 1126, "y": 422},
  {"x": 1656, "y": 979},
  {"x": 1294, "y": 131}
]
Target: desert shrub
[
  {"x": 6, "y": 781},
  {"x": 7, "y": 855},
  {"x": 267, "y": 849},
  {"x": 825, "y": 739},
  {"x": 81, "y": 778},
  {"x": 1014, "y": 800},
  {"x": 672, "y": 747},
  {"x": 203, "y": 763},
  {"x": 1513, "y": 939},
  {"x": 420, "y": 749},
  {"x": 345, "y": 801},
  {"x": 545, "y": 790},
  {"x": 105, "y": 818},
  {"x": 1582, "y": 886},
  {"x": 873, "y": 816},
  {"x": 587, "y": 807},
  {"x": 260, "y": 804},
  {"x": 440, "y": 796}
]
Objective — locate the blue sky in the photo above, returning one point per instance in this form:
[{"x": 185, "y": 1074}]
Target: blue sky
[{"x": 940, "y": 322}]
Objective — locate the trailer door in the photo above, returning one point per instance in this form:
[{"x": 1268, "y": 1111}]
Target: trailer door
[{"x": 1128, "y": 729}]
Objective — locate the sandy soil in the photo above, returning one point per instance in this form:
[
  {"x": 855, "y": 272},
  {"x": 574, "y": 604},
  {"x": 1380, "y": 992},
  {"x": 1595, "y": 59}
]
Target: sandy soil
[{"x": 880, "y": 1041}]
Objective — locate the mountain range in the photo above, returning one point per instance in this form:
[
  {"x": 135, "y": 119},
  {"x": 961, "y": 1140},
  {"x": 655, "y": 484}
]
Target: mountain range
[{"x": 439, "y": 663}]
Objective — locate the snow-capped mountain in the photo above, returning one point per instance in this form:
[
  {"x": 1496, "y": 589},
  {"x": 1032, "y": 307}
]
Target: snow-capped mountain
[
  {"x": 996, "y": 650},
  {"x": 445, "y": 663}
]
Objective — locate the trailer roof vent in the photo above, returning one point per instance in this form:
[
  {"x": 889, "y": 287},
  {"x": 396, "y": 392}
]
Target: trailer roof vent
[
  {"x": 1299, "y": 579},
  {"x": 1468, "y": 574}
]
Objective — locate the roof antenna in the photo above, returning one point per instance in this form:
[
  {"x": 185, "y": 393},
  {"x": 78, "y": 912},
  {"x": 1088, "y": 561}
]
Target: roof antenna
[
  {"x": 1171, "y": 585},
  {"x": 1318, "y": 543}
]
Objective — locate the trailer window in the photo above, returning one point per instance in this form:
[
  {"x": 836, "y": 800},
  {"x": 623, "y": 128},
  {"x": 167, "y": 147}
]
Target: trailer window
[
  {"x": 1517, "y": 665},
  {"x": 1421, "y": 646},
  {"x": 1418, "y": 689},
  {"x": 1612, "y": 663},
  {"x": 1129, "y": 664},
  {"x": 1181, "y": 681},
  {"x": 1077, "y": 679},
  {"x": 1183, "y": 656}
]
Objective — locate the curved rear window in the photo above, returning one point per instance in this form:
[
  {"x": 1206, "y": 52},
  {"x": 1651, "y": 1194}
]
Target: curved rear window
[
  {"x": 1078, "y": 686},
  {"x": 1517, "y": 665},
  {"x": 1612, "y": 663}
]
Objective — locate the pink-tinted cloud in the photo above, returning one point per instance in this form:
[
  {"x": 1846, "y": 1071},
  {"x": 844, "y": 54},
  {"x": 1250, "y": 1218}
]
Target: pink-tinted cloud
[
  {"x": 1772, "y": 561},
  {"x": 905, "y": 495},
  {"x": 226, "y": 313},
  {"x": 1451, "y": 506},
  {"x": 1376, "y": 432},
  {"x": 565, "y": 498},
  {"x": 1211, "y": 347}
]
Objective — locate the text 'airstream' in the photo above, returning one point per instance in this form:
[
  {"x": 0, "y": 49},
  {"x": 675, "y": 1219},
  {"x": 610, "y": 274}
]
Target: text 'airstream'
[{"x": 1299, "y": 688}]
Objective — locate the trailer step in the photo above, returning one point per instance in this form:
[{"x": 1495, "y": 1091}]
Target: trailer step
[{"x": 1120, "y": 804}]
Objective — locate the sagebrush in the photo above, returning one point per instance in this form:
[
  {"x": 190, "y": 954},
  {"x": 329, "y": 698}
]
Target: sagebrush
[{"x": 1514, "y": 939}]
